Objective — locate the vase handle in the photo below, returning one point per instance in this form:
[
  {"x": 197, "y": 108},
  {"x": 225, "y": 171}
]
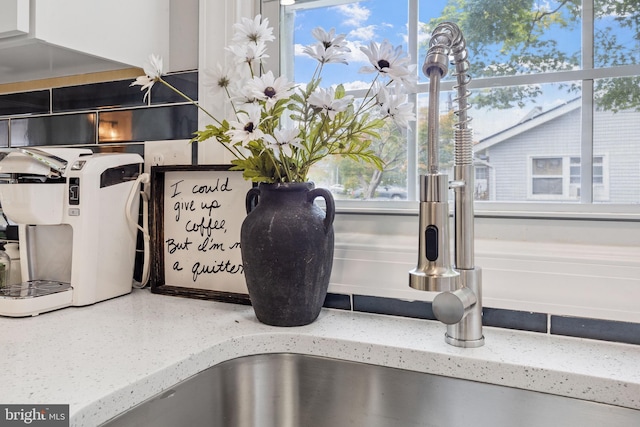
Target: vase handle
[
  {"x": 330, "y": 205},
  {"x": 251, "y": 201}
]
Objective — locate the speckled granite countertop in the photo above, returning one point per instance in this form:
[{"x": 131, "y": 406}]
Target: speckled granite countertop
[{"x": 106, "y": 358}]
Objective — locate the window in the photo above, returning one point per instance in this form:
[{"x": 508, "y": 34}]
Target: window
[
  {"x": 482, "y": 182},
  {"x": 546, "y": 177},
  {"x": 559, "y": 178},
  {"x": 553, "y": 83}
]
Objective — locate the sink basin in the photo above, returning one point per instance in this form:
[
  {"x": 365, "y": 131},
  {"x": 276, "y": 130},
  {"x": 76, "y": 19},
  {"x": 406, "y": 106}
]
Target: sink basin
[{"x": 292, "y": 390}]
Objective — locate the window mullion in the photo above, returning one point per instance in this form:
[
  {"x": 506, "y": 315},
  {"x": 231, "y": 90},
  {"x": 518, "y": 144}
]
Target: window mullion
[
  {"x": 586, "y": 128},
  {"x": 412, "y": 131}
]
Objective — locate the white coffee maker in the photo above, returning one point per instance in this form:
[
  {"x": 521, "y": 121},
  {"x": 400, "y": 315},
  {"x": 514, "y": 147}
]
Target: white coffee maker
[{"x": 77, "y": 243}]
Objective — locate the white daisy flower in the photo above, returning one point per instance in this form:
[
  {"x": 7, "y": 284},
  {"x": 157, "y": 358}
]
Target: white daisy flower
[
  {"x": 330, "y": 48},
  {"x": 325, "y": 99},
  {"x": 329, "y": 39},
  {"x": 249, "y": 53},
  {"x": 153, "y": 72},
  {"x": 243, "y": 96},
  {"x": 252, "y": 30},
  {"x": 247, "y": 127},
  {"x": 283, "y": 141},
  {"x": 220, "y": 79},
  {"x": 409, "y": 79},
  {"x": 270, "y": 89},
  {"x": 379, "y": 90},
  {"x": 386, "y": 60},
  {"x": 394, "y": 104},
  {"x": 325, "y": 55}
]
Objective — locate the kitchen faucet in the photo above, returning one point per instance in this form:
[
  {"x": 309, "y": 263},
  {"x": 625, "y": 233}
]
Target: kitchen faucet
[{"x": 458, "y": 303}]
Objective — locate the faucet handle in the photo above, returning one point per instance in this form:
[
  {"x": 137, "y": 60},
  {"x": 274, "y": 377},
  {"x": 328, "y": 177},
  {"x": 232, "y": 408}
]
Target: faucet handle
[{"x": 451, "y": 307}]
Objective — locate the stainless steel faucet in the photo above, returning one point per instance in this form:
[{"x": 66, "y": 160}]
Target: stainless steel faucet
[{"x": 458, "y": 303}]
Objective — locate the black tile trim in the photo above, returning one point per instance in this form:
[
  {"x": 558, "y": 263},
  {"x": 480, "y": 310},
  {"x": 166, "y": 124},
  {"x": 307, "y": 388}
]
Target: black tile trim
[
  {"x": 112, "y": 94},
  {"x": 605, "y": 330},
  {"x": 512, "y": 319},
  {"x": 4, "y": 133},
  {"x": 58, "y": 129},
  {"x": 166, "y": 122},
  {"x": 19, "y": 103},
  {"x": 339, "y": 301},
  {"x": 393, "y": 307},
  {"x": 185, "y": 82}
]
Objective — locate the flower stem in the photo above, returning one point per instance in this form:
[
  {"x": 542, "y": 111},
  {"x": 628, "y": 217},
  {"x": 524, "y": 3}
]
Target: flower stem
[{"x": 182, "y": 94}]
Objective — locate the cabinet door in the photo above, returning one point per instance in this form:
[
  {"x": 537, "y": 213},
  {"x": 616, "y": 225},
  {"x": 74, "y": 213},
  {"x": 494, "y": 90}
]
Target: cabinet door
[{"x": 14, "y": 19}]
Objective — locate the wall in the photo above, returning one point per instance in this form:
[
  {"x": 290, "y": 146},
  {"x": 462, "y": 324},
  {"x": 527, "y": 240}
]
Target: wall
[
  {"x": 98, "y": 114},
  {"x": 183, "y": 30},
  {"x": 139, "y": 25},
  {"x": 216, "y": 28}
]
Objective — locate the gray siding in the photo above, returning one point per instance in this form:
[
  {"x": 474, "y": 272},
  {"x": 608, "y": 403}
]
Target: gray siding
[
  {"x": 617, "y": 135},
  {"x": 616, "y": 138}
]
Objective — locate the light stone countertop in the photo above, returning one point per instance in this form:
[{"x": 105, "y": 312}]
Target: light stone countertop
[{"x": 104, "y": 359}]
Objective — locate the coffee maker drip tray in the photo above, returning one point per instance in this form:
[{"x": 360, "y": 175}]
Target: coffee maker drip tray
[{"x": 33, "y": 289}]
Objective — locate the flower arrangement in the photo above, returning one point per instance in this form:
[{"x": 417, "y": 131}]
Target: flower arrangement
[{"x": 278, "y": 129}]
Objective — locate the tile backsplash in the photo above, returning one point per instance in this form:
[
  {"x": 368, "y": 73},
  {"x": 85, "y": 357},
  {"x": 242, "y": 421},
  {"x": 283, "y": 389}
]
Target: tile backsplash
[
  {"x": 578, "y": 327},
  {"x": 99, "y": 113}
]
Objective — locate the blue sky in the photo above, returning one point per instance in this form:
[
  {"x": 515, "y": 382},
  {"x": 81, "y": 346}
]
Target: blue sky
[
  {"x": 361, "y": 22},
  {"x": 365, "y": 21},
  {"x": 387, "y": 19}
]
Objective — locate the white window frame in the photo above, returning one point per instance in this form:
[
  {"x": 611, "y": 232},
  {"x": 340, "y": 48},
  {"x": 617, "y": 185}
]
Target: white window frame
[
  {"x": 563, "y": 176},
  {"x": 556, "y": 258},
  {"x": 586, "y": 76},
  {"x": 567, "y": 186}
]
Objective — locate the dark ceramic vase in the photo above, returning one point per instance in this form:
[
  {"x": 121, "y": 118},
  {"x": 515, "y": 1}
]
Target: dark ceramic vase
[{"x": 287, "y": 252}]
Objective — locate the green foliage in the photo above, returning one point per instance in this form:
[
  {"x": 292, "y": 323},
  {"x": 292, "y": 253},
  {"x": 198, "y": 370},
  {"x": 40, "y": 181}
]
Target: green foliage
[
  {"x": 509, "y": 37},
  {"x": 349, "y": 133}
]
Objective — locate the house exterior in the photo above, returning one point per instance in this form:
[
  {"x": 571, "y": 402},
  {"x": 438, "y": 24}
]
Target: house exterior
[{"x": 539, "y": 158}]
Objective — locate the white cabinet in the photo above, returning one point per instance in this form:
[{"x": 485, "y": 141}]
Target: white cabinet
[
  {"x": 14, "y": 19},
  {"x": 44, "y": 38}
]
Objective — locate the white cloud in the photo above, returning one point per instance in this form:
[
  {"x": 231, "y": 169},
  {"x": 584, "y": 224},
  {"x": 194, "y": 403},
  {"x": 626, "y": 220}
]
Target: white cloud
[
  {"x": 362, "y": 33},
  {"x": 356, "y": 14},
  {"x": 424, "y": 34},
  {"x": 356, "y": 55},
  {"x": 298, "y": 50},
  {"x": 356, "y": 85}
]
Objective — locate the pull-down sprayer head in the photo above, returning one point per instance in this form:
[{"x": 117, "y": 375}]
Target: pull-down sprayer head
[
  {"x": 434, "y": 271},
  {"x": 459, "y": 303}
]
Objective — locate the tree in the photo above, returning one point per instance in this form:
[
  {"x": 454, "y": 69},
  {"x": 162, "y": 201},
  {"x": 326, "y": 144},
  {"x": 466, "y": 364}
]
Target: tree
[
  {"x": 509, "y": 37},
  {"x": 445, "y": 141},
  {"x": 392, "y": 149}
]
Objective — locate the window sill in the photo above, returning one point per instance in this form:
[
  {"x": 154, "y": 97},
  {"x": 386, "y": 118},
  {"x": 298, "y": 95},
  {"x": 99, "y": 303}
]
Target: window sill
[{"x": 604, "y": 212}]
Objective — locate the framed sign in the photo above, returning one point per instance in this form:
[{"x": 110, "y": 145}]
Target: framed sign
[{"x": 196, "y": 214}]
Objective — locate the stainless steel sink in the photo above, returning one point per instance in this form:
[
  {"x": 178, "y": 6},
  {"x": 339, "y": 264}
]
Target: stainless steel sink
[{"x": 292, "y": 390}]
